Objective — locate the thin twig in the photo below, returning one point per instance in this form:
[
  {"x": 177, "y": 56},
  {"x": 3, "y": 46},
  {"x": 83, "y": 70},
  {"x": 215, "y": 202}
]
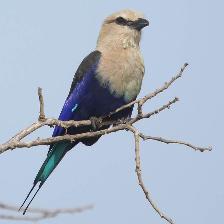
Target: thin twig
[
  {"x": 139, "y": 175},
  {"x": 149, "y": 96},
  {"x": 169, "y": 141},
  {"x": 41, "y": 100},
  {"x": 40, "y": 214}
]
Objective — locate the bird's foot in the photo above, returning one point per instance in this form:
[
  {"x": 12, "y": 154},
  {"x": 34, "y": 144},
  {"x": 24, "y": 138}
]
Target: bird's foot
[
  {"x": 126, "y": 120},
  {"x": 96, "y": 123}
]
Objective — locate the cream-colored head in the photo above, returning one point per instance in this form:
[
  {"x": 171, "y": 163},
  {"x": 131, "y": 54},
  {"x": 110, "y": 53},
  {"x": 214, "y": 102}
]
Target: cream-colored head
[{"x": 121, "y": 30}]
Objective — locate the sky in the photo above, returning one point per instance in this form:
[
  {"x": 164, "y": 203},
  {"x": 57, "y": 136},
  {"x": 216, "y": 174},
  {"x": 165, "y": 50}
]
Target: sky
[{"x": 42, "y": 44}]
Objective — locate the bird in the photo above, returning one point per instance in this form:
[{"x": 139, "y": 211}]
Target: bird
[{"x": 108, "y": 78}]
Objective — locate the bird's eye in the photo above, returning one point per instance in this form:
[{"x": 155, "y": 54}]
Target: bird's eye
[{"x": 121, "y": 21}]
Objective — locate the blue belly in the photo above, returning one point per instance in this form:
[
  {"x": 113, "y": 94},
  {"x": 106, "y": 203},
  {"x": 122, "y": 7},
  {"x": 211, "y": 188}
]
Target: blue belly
[{"x": 97, "y": 102}]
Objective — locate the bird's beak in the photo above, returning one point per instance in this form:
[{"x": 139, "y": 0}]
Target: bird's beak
[{"x": 140, "y": 24}]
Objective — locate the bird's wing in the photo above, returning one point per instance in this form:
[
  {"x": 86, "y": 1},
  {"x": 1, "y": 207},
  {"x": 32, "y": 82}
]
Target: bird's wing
[
  {"x": 80, "y": 88},
  {"x": 80, "y": 83}
]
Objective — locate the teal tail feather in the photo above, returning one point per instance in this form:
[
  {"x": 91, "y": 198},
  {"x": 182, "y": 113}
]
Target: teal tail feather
[{"x": 53, "y": 158}]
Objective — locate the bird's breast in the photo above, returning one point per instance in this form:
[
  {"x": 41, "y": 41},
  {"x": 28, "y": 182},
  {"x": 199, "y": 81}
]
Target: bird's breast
[{"x": 122, "y": 72}]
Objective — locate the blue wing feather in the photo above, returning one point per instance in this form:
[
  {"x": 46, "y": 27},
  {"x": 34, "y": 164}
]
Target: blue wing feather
[{"x": 80, "y": 91}]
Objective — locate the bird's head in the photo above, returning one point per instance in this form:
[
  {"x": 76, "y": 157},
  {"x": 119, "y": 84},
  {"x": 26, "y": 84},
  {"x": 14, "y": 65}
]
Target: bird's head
[{"x": 122, "y": 30}]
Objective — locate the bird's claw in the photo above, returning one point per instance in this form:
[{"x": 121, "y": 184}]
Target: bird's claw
[{"x": 96, "y": 123}]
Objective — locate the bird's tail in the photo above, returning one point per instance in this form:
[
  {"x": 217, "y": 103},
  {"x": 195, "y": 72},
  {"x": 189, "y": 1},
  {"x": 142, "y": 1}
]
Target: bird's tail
[{"x": 53, "y": 158}]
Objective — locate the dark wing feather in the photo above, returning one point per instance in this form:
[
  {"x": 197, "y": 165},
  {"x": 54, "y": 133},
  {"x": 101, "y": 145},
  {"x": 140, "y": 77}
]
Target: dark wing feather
[{"x": 85, "y": 69}]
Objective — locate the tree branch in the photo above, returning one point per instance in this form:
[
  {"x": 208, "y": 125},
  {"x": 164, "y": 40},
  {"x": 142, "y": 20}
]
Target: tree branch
[
  {"x": 40, "y": 214},
  {"x": 16, "y": 142},
  {"x": 149, "y": 96},
  {"x": 117, "y": 125},
  {"x": 168, "y": 141},
  {"x": 139, "y": 175},
  {"x": 41, "y": 100}
]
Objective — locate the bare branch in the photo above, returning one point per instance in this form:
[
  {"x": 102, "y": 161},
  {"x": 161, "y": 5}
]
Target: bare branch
[
  {"x": 141, "y": 101},
  {"x": 139, "y": 175},
  {"x": 40, "y": 214},
  {"x": 157, "y": 111},
  {"x": 16, "y": 142},
  {"x": 168, "y": 141},
  {"x": 115, "y": 125},
  {"x": 41, "y": 100}
]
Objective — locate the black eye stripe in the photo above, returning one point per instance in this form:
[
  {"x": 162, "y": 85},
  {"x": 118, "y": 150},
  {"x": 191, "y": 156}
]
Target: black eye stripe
[
  {"x": 121, "y": 21},
  {"x": 137, "y": 24}
]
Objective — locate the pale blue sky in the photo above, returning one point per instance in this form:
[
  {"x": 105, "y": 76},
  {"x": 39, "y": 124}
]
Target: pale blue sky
[{"x": 42, "y": 43}]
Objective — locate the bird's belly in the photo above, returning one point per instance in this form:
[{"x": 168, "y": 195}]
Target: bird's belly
[
  {"x": 105, "y": 102},
  {"x": 98, "y": 102}
]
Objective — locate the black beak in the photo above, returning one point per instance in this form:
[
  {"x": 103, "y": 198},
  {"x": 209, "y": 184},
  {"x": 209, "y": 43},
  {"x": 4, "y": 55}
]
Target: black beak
[{"x": 140, "y": 24}]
